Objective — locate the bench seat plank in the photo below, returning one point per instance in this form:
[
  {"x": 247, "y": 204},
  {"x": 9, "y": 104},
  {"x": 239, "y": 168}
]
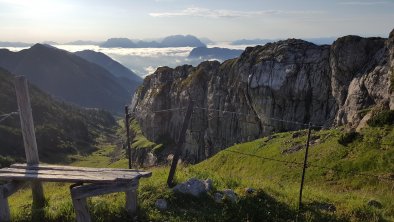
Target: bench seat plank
[
  {"x": 83, "y": 169},
  {"x": 55, "y": 173},
  {"x": 73, "y": 174},
  {"x": 52, "y": 178},
  {"x": 107, "y": 175}
]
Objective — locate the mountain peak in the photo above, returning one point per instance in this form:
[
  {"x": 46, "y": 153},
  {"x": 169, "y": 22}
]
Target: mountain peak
[
  {"x": 169, "y": 41},
  {"x": 109, "y": 64},
  {"x": 38, "y": 46},
  {"x": 119, "y": 42},
  {"x": 68, "y": 77},
  {"x": 182, "y": 41}
]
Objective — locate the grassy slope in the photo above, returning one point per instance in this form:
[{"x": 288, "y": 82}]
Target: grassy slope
[
  {"x": 342, "y": 186},
  {"x": 278, "y": 183}
]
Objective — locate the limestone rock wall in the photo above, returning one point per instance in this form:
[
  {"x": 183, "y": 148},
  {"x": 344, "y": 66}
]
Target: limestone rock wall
[{"x": 292, "y": 80}]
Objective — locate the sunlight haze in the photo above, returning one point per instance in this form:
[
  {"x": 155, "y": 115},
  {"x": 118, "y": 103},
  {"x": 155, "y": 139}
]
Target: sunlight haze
[{"x": 220, "y": 20}]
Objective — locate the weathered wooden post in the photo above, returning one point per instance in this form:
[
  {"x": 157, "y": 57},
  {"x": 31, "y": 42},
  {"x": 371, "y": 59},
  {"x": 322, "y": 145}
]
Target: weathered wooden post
[
  {"x": 179, "y": 144},
  {"x": 4, "y": 207},
  {"x": 81, "y": 209},
  {"x": 7, "y": 190},
  {"x": 131, "y": 200},
  {"x": 303, "y": 171},
  {"x": 127, "y": 125},
  {"x": 29, "y": 136}
]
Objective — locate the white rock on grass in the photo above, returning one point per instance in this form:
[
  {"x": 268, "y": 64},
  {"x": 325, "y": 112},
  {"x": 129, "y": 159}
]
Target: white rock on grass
[
  {"x": 231, "y": 195},
  {"x": 225, "y": 194},
  {"x": 194, "y": 187}
]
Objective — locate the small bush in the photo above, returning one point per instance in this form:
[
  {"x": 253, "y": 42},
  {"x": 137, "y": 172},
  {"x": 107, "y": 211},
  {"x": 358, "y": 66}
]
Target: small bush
[
  {"x": 385, "y": 117},
  {"x": 6, "y": 161},
  {"x": 348, "y": 138}
]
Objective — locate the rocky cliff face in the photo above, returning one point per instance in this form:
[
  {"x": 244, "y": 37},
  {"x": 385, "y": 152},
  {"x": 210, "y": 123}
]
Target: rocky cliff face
[
  {"x": 390, "y": 46},
  {"x": 291, "y": 80},
  {"x": 360, "y": 76}
]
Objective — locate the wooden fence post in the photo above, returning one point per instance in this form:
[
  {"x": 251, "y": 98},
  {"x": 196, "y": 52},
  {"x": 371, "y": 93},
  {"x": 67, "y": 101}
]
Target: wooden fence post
[
  {"x": 303, "y": 171},
  {"x": 29, "y": 136},
  {"x": 181, "y": 140},
  {"x": 127, "y": 125}
]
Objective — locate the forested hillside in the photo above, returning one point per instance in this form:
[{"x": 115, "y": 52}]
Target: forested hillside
[{"x": 61, "y": 129}]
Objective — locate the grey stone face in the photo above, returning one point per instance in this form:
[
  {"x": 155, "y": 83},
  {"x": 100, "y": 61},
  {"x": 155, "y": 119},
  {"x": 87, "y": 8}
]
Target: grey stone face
[
  {"x": 291, "y": 80},
  {"x": 194, "y": 187}
]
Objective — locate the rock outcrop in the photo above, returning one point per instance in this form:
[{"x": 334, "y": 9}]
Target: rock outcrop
[
  {"x": 360, "y": 76},
  {"x": 390, "y": 46},
  {"x": 248, "y": 97}
]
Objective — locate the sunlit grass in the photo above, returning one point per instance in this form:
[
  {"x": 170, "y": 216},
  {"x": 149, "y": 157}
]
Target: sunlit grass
[{"x": 278, "y": 182}]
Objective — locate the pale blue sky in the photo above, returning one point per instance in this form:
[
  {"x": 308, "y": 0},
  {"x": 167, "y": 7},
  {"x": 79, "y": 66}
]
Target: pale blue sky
[{"x": 220, "y": 20}]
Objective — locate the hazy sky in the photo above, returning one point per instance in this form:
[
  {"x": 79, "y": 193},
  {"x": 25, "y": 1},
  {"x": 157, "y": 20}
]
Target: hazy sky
[{"x": 221, "y": 20}]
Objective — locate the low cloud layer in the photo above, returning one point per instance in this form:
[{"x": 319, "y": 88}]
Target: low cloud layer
[{"x": 143, "y": 61}]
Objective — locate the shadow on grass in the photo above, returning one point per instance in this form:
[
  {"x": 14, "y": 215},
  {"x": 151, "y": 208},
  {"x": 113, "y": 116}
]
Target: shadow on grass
[{"x": 258, "y": 207}]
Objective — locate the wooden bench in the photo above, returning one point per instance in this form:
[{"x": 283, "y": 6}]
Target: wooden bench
[{"x": 87, "y": 182}]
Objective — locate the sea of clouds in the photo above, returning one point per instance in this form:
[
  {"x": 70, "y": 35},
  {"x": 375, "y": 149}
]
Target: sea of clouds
[{"x": 143, "y": 61}]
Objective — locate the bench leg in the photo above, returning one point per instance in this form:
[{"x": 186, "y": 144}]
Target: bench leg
[
  {"x": 81, "y": 210},
  {"x": 80, "y": 192},
  {"x": 131, "y": 201},
  {"x": 38, "y": 195},
  {"x": 7, "y": 190},
  {"x": 4, "y": 208}
]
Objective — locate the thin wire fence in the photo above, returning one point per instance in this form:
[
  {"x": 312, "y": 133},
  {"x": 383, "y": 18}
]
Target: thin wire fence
[
  {"x": 310, "y": 165},
  {"x": 3, "y": 117},
  {"x": 262, "y": 121},
  {"x": 274, "y": 159},
  {"x": 241, "y": 114}
]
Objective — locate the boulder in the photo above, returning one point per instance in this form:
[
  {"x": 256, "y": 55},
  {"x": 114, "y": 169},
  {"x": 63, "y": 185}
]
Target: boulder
[
  {"x": 375, "y": 203},
  {"x": 227, "y": 194},
  {"x": 161, "y": 204},
  {"x": 230, "y": 195},
  {"x": 218, "y": 197},
  {"x": 194, "y": 187}
]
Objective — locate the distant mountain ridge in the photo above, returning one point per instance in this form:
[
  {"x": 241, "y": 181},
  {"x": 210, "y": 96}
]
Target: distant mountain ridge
[
  {"x": 170, "y": 41},
  {"x": 252, "y": 41},
  {"x": 15, "y": 44},
  {"x": 214, "y": 53},
  {"x": 67, "y": 77},
  {"x": 83, "y": 42},
  {"x": 317, "y": 41},
  {"x": 127, "y": 78}
]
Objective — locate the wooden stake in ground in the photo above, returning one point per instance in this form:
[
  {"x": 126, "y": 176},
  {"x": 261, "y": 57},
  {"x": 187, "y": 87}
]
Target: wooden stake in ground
[
  {"x": 179, "y": 144},
  {"x": 127, "y": 125},
  {"x": 303, "y": 171},
  {"x": 29, "y": 136}
]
